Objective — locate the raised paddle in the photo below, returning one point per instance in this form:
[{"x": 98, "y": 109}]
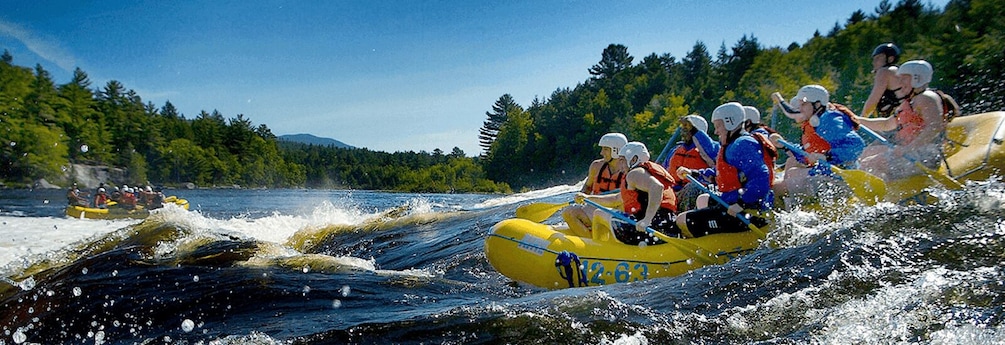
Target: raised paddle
[
  {"x": 867, "y": 187},
  {"x": 944, "y": 179},
  {"x": 742, "y": 216},
  {"x": 684, "y": 246}
]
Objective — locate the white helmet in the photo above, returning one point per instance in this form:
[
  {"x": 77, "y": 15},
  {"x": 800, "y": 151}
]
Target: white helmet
[
  {"x": 751, "y": 114},
  {"x": 731, "y": 115},
  {"x": 613, "y": 140},
  {"x": 920, "y": 71},
  {"x": 811, "y": 93},
  {"x": 635, "y": 153},
  {"x": 697, "y": 122},
  {"x": 101, "y": 190}
]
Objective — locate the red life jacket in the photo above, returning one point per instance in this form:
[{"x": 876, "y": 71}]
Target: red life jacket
[
  {"x": 100, "y": 199},
  {"x": 727, "y": 177},
  {"x": 605, "y": 181},
  {"x": 690, "y": 159},
  {"x": 813, "y": 142},
  {"x": 632, "y": 199}
]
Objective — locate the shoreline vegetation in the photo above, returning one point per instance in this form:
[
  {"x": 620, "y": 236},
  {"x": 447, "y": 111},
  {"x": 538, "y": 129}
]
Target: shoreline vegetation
[{"x": 46, "y": 129}]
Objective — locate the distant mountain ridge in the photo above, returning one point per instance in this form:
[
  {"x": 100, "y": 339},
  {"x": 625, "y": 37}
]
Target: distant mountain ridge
[{"x": 304, "y": 138}]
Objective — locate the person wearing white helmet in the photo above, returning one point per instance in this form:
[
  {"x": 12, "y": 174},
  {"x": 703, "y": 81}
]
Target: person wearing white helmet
[
  {"x": 128, "y": 200},
  {"x": 100, "y": 198},
  {"x": 740, "y": 154},
  {"x": 690, "y": 154},
  {"x": 828, "y": 134},
  {"x": 918, "y": 125},
  {"x": 883, "y": 98},
  {"x": 604, "y": 176},
  {"x": 646, "y": 195}
]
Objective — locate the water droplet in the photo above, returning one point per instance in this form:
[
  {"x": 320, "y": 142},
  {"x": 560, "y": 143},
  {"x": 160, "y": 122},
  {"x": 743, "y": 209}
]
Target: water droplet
[
  {"x": 336, "y": 304},
  {"x": 307, "y": 289},
  {"x": 84, "y": 270},
  {"x": 76, "y": 291},
  {"x": 187, "y": 325},
  {"x": 344, "y": 290},
  {"x": 195, "y": 279},
  {"x": 12, "y": 144},
  {"x": 19, "y": 337},
  {"x": 115, "y": 273},
  {"x": 307, "y": 269},
  {"x": 84, "y": 148}
]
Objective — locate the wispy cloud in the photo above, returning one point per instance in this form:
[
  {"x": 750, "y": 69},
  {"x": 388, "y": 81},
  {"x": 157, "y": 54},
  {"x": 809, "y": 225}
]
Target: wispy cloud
[{"x": 47, "y": 49}]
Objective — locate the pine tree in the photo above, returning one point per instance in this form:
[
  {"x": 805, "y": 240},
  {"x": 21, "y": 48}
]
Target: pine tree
[{"x": 490, "y": 128}]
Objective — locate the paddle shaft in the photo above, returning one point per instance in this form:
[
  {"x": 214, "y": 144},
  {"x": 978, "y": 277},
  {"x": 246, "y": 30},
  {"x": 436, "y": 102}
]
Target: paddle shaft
[
  {"x": 685, "y": 247},
  {"x": 800, "y": 152},
  {"x": 719, "y": 200}
]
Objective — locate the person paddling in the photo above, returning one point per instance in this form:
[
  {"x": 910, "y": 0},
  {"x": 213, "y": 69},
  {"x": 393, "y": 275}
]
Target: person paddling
[
  {"x": 828, "y": 134},
  {"x": 741, "y": 173},
  {"x": 647, "y": 195},
  {"x": 604, "y": 176},
  {"x": 919, "y": 126}
]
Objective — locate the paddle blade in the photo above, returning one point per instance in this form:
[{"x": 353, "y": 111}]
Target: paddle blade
[
  {"x": 944, "y": 179},
  {"x": 539, "y": 211},
  {"x": 867, "y": 187}
]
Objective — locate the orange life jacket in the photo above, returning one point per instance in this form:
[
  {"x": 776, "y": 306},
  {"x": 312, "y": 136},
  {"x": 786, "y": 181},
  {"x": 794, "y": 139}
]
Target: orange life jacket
[
  {"x": 909, "y": 124},
  {"x": 100, "y": 199},
  {"x": 727, "y": 177},
  {"x": 690, "y": 159},
  {"x": 606, "y": 181},
  {"x": 632, "y": 199}
]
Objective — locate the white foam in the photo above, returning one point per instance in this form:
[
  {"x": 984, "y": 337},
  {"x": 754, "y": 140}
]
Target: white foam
[
  {"x": 24, "y": 237},
  {"x": 536, "y": 194}
]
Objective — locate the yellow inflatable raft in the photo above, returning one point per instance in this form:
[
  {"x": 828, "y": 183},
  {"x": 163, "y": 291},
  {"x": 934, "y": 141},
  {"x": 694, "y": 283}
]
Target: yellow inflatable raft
[
  {"x": 973, "y": 151},
  {"x": 552, "y": 257},
  {"x": 113, "y": 212}
]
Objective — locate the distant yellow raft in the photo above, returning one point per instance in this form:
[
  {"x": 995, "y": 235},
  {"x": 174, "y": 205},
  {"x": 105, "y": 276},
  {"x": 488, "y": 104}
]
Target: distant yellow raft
[
  {"x": 118, "y": 213},
  {"x": 974, "y": 152},
  {"x": 550, "y": 257}
]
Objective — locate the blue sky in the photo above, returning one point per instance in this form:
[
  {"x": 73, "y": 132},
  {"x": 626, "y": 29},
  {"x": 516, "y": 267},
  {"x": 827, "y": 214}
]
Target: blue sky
[{"x": 385, "y": 75}]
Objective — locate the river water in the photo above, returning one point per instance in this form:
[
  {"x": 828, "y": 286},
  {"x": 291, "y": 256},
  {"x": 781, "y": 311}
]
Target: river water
[{"x": 310, "y": 266}]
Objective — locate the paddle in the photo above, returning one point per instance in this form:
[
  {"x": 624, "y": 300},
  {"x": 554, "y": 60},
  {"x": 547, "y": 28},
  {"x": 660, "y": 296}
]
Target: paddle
[
  {"x": 742, "y": 216},
  {"x": 940, "y": 177},
  {"x": 684, "y": 246},
  {"x": 867, "y": 187},
  {"x": 666, "y": 148},
  {"x": 539, "y": 211}
]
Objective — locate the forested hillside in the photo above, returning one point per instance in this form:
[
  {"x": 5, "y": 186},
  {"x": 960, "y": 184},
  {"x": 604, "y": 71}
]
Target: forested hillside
[
  {"x": 552, "y": 140},
  {"x": 45, "y": 128}
]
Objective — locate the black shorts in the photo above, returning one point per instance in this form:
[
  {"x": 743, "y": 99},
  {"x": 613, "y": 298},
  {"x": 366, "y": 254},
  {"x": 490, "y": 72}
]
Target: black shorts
[
  {"x": 663, "y": 222},
  {"x": 715, "y": 220}
]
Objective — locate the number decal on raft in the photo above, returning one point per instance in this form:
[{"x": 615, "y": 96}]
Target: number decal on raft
[{"x": 622, "y": 272}]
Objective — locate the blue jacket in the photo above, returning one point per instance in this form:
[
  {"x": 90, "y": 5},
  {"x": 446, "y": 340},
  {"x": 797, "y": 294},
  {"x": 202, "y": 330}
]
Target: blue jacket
[
  {"x": 747, "y": 156},
  {"x": 846, "y": 144}
]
